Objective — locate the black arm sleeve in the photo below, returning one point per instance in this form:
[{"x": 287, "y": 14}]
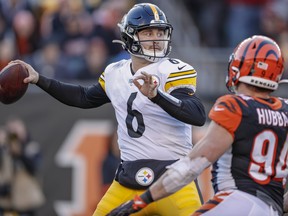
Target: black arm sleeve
[
  {"x": 182, "y": 105},
  {"x": 74, "y": 95}
]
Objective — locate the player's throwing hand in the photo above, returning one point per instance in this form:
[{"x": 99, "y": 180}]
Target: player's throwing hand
[{"x": 33, "y": 75}]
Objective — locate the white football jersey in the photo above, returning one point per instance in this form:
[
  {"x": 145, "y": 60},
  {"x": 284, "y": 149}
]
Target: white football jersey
[{"x": 145, "y": 130}]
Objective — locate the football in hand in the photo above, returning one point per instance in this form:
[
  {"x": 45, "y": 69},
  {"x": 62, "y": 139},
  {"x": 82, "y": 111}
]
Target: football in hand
[{"x": 12, "y": 87}]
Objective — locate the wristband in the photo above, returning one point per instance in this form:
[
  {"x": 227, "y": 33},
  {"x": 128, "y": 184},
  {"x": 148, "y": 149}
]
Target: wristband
[{"x": 147, "y": 197}]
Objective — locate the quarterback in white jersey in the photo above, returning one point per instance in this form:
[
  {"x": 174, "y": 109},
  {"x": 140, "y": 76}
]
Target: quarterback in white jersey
[
  {"x": 155, "y": 105},
  {"x": 140, "y": 121}
]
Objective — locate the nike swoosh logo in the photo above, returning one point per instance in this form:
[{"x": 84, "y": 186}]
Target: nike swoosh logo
[{"x": 180, "y": 68}]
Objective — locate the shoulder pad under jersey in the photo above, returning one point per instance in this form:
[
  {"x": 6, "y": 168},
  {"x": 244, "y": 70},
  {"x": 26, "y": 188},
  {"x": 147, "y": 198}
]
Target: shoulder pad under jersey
[
  {"x": 170, "y": 65},
  {"x": 179, "y": 75},
  {"x": 115, "y": 65}
]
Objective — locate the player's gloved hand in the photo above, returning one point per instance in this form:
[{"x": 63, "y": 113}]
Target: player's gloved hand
[
  {"x": 150, "y": 85},
  {"x": 129, "y": 207}
]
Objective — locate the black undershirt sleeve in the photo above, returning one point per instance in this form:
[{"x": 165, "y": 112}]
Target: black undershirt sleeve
[
  {"x": 182, "y": 105},
  {"x": 74, "y": 95}
]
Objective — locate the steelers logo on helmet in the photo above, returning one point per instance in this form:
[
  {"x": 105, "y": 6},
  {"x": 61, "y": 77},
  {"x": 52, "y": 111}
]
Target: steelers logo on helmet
[{"x": 144, "y": 176}]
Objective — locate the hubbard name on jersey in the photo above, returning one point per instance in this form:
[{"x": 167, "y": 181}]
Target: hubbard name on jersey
[
  {"x": 254, "y": 170},
  {"x": 140, "y": 119}
]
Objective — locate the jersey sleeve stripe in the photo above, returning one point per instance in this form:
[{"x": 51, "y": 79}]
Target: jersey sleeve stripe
[
  {"x": 227, "y": 113},
  {"x": 186, "y": 81},
  {"x": 176, "y": 74},
  {"x": 181, "y": 77},
  {"x": 102, "y": 81}
]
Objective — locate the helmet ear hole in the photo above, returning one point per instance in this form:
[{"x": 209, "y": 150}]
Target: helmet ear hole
[{"x": 135, "y": 48}]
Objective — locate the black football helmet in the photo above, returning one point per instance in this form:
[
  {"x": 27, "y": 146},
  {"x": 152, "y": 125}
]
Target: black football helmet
[{"x": 140, "y": 17}]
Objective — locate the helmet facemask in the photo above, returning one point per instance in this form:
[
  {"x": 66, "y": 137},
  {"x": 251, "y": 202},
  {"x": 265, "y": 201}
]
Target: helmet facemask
[
  {"x": 151, "y": 50},
  {"x": 232, "y": 75}
]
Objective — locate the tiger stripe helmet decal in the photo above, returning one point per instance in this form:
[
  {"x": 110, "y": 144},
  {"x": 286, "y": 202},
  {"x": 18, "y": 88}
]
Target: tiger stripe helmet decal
[{"x": 257, "y": 61}]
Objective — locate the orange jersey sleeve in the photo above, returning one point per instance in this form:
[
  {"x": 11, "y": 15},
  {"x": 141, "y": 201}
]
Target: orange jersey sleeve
[{"x": 227, "y": 112}]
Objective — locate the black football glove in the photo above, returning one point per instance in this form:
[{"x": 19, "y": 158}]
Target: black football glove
[{"x": 129, "y": 207}]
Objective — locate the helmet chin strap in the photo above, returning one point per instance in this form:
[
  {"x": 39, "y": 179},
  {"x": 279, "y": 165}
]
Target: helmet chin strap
[
  {"x": 152, "y": 59},
  {"x": 148, "y": 58},
  {"x": 149, "y": 55}
]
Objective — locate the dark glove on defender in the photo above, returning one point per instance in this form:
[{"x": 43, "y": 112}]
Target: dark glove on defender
[{"x": 132, "y": 206}]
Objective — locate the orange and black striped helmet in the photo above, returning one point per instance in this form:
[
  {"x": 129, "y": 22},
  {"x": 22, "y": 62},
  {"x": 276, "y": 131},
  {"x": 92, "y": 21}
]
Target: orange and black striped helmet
[{"x": 257, "y": 61}]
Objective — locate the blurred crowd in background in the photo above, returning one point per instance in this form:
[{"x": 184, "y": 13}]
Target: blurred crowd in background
[
  {"x": 20, "y": 162},
  {"x": 65, "y": 39},
  {"x": 72, "y": 39},
  {"x": 224, "y": 23}
]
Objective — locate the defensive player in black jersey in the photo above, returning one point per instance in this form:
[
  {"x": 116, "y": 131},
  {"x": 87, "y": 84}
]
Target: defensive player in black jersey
[
  {"x": 246, "y": 141},
  {"x": 154, "y": 119}
]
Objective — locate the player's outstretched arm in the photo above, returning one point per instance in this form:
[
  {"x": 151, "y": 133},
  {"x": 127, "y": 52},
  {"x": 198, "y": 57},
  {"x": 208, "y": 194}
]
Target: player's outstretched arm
[
  {"x": 215, "y": 143},
  {"x": 33, "y": 75},
  {"x": 83, "y": 97}
]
